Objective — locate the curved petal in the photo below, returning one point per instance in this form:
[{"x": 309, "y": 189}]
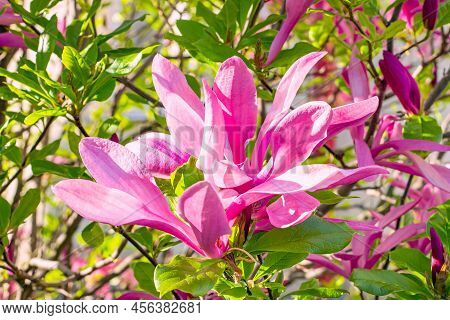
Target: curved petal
[
  {"x": 357, "y": 77},
  {"x": 202, "y": 208},
  {"x": 302, "y": 178},
  {"x": 96, "y": 202},
  {"x": 297, "y": 134},
  {"x": 396, "y": 212},
  {"x": 228, "y": 175},
  {"x": 214, "y": 135},
  {"x": 12, "y": 40},
  {"x": 235, "y": 88},
  {"x": 321, "y": 260},
  {"x": 291, "y": 209},
  {"x": 184, "y": 110},
  {"x": 410, "y": 145},
  {"x": 295, "y": 9},
  {"x": 158, "y": 152},
  {"x": 114, "y": 166},
  {"x": 286, "y": 92}
]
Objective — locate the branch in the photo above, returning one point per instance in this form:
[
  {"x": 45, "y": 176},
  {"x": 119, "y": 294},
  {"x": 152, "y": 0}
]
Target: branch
[{"x": 437, "y": 91}]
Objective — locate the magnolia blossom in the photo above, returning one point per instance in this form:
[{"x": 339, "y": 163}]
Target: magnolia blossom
[
  {"x": 217, "y": 134},
  {"x": 360, "y": 253},
  {"x": 401, "y": 82},
  {"x": 437, "y": 254}
]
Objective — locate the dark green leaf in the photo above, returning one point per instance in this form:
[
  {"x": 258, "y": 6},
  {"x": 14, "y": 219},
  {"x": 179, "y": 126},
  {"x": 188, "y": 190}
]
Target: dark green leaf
[
  {"x": 287, "y": 57},
  {"x": 384, "y": 282},
  {"x": 440, "y": 221},
  {"x": 314, "y": 235},
  {"x": 67, "y": 171},
  {"x": 276, "y": 261},
  {"x": 5, "y": 213},
  {"x": 27, "y": 206},
  {"x": 45, "y": 151}
]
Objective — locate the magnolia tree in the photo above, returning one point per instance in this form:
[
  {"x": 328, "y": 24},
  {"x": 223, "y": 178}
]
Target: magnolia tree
[{"x": 224, "y": 149}]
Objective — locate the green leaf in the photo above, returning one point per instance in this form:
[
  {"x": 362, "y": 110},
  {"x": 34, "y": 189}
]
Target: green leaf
[
  {"x": 328, "y": 196},
  {"x": 192, "y": 275},
  {"x": 230, "y": 290},
  {"x": 93, "y": 234},
  {"x": 422, "y": 127},
  {"x": 440, "y": 221},
  {"x": 5, "y": 213},
  {"x": 288, "y": 57},
  {"x": 384, "y": 282},
  {"x": 411, "y": 259},
  {"x": 124, "y": 65},
  {"x": 102, "y": 88},
  {"x": 326, "y": 293},
  {"x": 14, "y": 154},
  {"x": 393, "y": 29},
  {"x": 46, "y": 44},
  {"x": 40, "y": 167},
  {"x": 144, "y": 237},
  {"x": 108, "y": 128},
  {"x": 75, "y": 63},
  {"x": 45, "y": 151},
  {"x": 276, "y": 261},
  {"x": 314, "y": 235},
  {"x": 124, "y": 27},
  {"x": 27, "y": 206},
  {"x": 444, "y": 15},
  {"x": 74, "y": 141},
  {"x": 36, "y": 115},
  {"x": 38, "y": 5},
  {"x": 144, "y": 273},
  {"x": 185, "y": 176}
]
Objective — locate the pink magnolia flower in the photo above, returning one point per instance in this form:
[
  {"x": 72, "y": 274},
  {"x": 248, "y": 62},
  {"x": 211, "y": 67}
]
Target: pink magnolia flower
[
  {"x": 390, "y": 127},
  {"x": 401, "y": 82},
  {"x": 437, "y": 254},
  {"x": 360, "y": 253},
  {"x": 219, "y": 132},
  {"x": 124, "y": 193},
  {"x": 409, "y": 10}
]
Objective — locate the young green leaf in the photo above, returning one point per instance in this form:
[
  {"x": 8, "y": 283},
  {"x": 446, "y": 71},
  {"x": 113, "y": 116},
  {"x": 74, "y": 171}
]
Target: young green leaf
[
  {"x": 36, "y": 115},
  {"x": 5, "y": 213},
  {"x": 144, "y": 273},
  {"x": 192, "y": 275},
  {"x": 422, "y": 127},
  {"x": 27, "y": 206},
  {"x": 93, "y": 234},
  {"x": 75, "y": 63},
  {"x": 411, "y": 259}
]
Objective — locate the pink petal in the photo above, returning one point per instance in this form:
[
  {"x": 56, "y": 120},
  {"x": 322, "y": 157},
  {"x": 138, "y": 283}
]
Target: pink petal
[
  {"x": 114, "y": 166},
  {"x": 396, "y": 238},
  {"x": 158, "y": 152},
  {"x": 410, "y": 145},
  {"x": 295, "y": 9},
  {"x": 202, "y": 208},
  {"x": 302, "y": 178},
  {"x": 214, "y": 135},
  {"x": 357, "y": 76},
  {"x": 352, "y": 114},
  {"x": 324, "y": 262},
  {"x": 228, "y": 175},
  {"x": 96, "y": 202},
  {"x": 286, "y": 92},
  {"x": 291, "y": 209},
  {"x": 184, "y": 110},
  {"x": 137, "y": 295},
  {"x": 11, "y": 40},
  {"x": 356, "y": 225},
  {"x": 235, "y": 89},
  {"x": 395, "y": 213},
  {"x": 296, "y": 135}
]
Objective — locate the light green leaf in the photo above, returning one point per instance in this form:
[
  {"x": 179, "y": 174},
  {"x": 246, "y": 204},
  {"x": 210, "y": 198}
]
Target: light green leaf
[
  {"x": 185, "y": 176},
  {"x": 144, "y": 273},
  {"x": 46, "y": 44},
  {"x": 93, "y": 234},
  {"x": 192, "y": 275},
  {"x": 411, "y": 259},
  {"x": 328, "y": 197},
  {"x": 393, "y": 29},
  {"x": 108, "y": 128},
  {"x": 75, "y": 63},
  {"x": 422, "y": 127},
  {"x": 27, "y": 206},
  {"x": 326, "y": 293},
  {"x": 314, "y": 235},
  {"x": 36, "y": 115}
]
